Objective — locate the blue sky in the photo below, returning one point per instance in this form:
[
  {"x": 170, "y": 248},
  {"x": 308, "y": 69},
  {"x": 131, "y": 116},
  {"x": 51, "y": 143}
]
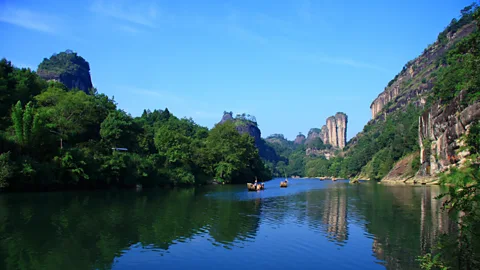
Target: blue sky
[{"x": 290, "y": 63}]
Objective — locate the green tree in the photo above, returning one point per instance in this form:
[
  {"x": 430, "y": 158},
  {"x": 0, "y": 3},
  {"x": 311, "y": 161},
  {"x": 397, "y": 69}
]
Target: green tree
[
  {"x": 25, "y": 122},
  {"x": 119, "y": 130},
  {"x": 233, "y": 157},
  {"x": 67, "y": 113}
]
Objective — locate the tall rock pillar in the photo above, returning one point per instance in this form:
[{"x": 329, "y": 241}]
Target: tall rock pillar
[
  {"x": 341, "y": 122},
  {"x": 332, "y": 131}
]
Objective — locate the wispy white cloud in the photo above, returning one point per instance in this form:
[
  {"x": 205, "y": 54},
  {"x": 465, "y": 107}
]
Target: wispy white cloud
[
  {"x": 28, "y": 19},
  {"x": 130, "y": 11}
]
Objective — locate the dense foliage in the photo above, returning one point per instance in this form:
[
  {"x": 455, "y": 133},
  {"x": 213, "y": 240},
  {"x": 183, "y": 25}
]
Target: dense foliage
[
  {"x": 291, "y": 156},
  {"x": 55, "y": 138},
  {"x": 461, "y": 70}
]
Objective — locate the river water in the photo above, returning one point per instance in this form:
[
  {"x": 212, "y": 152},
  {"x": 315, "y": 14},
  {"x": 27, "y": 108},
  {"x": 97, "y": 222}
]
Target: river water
[{"x": 312, "y": 224}]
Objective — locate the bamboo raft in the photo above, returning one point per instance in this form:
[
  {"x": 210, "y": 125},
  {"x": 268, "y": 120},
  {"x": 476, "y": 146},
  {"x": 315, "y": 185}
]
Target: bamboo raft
[{"x": 252, "y": 187}]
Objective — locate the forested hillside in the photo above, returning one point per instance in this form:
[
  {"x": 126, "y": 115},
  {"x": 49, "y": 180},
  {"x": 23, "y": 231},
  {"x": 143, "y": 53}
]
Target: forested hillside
[{"x": 52, "y": 137}]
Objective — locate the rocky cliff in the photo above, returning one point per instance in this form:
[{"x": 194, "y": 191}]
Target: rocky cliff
[
  {"x": 68, "y": 68},
  {"x": 335, "y": 130},
  {"x": 439, "y": 134},
  {"x": 341, "y": 125},
  {"x": 387, "y": 147},
  {"x": 417, "y": 77}
]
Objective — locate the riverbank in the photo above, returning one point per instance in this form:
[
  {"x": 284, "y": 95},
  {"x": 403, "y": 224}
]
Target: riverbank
[{"x": 415, "y": 180}]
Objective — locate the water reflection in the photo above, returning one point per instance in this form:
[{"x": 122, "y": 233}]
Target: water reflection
[
  {"x": 158, "y": 228},
  {"x": 88, "y": 230},
  {"x": 411, "y": 221}
]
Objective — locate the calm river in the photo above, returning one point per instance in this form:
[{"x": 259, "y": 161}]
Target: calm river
[{"x": 312, "y": 224}]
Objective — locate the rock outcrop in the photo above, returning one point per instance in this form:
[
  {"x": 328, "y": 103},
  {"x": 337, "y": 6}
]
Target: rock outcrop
[
  {"x": 68, "y": 68},
  {"x": 312, "y": 135},
  {"x": 415, "y": 80},
  {"x": 439, "y": 135},
  {"x": 335, "y": 131},
  {"x": 300, "y": 139}
]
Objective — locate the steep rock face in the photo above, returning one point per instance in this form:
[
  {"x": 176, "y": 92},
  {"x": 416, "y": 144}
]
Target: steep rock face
[
  {"x": 68, "y": 68},
  {"x": 335, "y": 131},
  {"x": 332, "y": 131},
  {"x": 300, "y": 139},
  {"x": 324, "y": 134},
  {"x": 415, "y": 79},
  {"x": 341, "y": 122},
  {"x": 440, "y": 129}
]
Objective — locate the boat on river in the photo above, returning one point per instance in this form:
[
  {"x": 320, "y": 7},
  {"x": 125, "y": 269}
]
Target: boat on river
[
  {"x": 252, "y": 187},
  {"x": 284, "y": 183}
]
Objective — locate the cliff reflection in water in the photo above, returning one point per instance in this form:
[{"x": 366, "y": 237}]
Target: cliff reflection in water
[
  {"x": 405, "y": 221},
  {"x": 322, "y": 210},
  {"x": 98, "y": 230}
]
